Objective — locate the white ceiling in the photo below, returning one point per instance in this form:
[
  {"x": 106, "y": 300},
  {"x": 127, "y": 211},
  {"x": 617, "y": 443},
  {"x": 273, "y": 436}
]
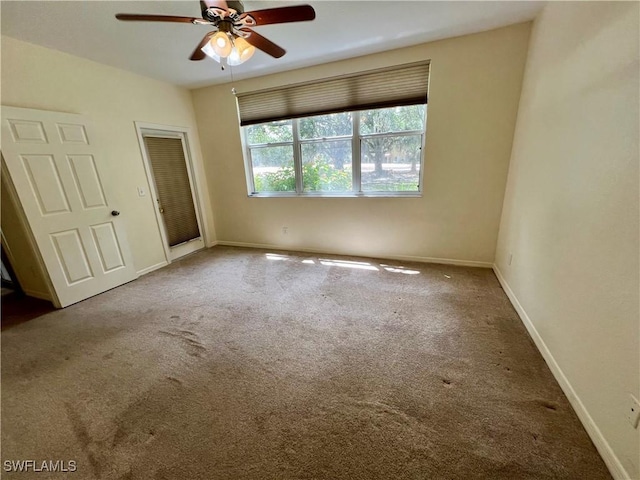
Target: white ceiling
[{"x": 341, "y": 30}]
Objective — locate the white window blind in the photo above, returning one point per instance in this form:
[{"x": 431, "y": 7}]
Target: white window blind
[
  {"x": 174, "y": 190},
  {"x": 389, "y": 87}
]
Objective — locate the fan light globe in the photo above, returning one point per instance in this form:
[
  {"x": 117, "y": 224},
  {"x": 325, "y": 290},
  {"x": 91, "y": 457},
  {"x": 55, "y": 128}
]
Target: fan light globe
[
  {"x": 221, "y": 44},
  {"x": 241, "y": 51},
  {"x": 210, "y": 52}
]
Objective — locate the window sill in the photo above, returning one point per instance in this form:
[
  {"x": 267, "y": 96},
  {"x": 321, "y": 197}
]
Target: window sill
[{"x": 337, "y": 195}]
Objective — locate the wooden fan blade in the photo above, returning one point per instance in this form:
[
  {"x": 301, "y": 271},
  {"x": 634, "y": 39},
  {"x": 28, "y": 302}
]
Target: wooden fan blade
[
  {"x": 198, "y": 54},
  {"x": 298, "y": 13},
  {"x": 264, "y": 44},
  {"x": 127, "y": 17}
]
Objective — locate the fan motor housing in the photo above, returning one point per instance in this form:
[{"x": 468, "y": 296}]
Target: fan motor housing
[
  {"x": 213, "y": 13},
  {"x": 236, "y": 5}
]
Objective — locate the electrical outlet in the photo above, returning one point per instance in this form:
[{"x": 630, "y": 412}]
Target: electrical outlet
[
  {"x": 633, "y": 411},
  {"x": 285, "y": 230}
]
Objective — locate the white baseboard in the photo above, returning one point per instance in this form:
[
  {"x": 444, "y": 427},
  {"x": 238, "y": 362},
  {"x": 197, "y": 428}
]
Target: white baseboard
[
  {"x": 405, "y": 258},
  {"x": 36, "y": 294},
  {"x": 150, "y": 269},
  {"x": 443, "y": 261},
  {"x": 212, "y": 243},
  {"x": 610, "y": 459}
]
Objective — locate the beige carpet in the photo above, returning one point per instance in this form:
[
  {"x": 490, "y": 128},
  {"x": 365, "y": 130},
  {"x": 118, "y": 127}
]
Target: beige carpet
[{"x": 238, "y": 364}]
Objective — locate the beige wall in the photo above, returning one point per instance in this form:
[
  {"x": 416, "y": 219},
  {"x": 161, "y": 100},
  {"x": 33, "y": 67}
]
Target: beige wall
[
  {"x": 571, "y": 213},
  {"x": 474, "y": 91},
  {"x": 41, "y": 78}
]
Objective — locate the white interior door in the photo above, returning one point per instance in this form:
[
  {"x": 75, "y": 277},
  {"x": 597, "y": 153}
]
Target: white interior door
[{"x": 59, "y": 178}]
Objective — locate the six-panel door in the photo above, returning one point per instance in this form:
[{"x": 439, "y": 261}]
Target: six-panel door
[{"x": 58, "y": 175}]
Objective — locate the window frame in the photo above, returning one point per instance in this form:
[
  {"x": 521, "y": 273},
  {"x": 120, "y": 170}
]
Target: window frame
[{"x": 356, "y": 166}]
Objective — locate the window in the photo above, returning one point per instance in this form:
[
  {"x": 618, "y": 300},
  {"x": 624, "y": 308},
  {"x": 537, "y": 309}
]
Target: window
[
  {"x": 323, "y": 155},
  {"x": 357, "y": 134}
]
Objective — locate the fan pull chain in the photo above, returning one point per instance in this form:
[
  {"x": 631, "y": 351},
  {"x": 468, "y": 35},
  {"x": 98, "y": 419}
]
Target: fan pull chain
[{"x": 233, "y": 88}]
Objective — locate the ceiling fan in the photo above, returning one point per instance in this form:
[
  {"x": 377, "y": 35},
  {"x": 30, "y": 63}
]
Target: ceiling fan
[{"x": 233, "y": 38}]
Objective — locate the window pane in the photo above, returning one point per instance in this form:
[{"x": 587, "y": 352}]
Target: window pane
[
  {"x": 390, "y": 120},
  {"x": 326, "y": 166},
  {"x": 323, "y": 126},
  {"x": 273, "y": 169},
  {"x": 391, "y": 163},
  {"x": 274, "y": 132}
]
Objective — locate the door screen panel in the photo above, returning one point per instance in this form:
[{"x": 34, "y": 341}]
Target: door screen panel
[{"x": 166, "y": 156}]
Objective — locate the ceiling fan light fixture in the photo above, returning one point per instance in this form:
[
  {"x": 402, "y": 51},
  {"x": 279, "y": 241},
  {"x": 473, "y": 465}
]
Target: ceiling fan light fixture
[{"x": 231, "y": 23}]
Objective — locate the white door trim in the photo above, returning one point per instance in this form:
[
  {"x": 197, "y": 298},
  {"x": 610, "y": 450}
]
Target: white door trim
[{"x": 183, "y": 133}]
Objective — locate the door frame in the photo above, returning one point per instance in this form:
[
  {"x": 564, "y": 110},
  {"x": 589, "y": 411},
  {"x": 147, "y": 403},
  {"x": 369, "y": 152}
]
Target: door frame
[{"x": 183, "y": 133}]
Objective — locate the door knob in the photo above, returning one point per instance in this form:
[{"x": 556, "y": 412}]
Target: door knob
[{"x": 115, "y": 213}]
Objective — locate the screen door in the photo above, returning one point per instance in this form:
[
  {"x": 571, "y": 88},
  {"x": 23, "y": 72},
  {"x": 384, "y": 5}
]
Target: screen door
[{"x": 175, "y": 198}]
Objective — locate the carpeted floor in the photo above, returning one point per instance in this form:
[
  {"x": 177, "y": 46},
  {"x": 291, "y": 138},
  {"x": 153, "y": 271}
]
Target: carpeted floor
[
  {"x": 246, "y": 364},
  {"x": 18, "y": 308}
]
